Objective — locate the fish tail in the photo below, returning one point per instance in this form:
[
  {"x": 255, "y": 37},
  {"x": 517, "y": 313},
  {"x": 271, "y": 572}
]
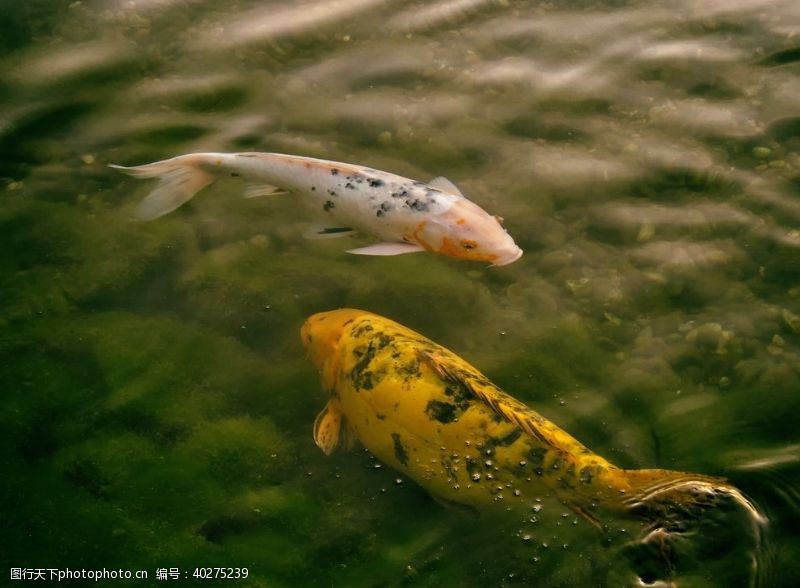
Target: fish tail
[
  {"x": 660, "y": 495},
  {"x": 180, "y": 178}
]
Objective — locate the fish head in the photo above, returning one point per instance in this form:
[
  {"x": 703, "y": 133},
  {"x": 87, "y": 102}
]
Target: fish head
[
  {"x": 321, "y": 334},
  {"x": 466, "y": 231}
]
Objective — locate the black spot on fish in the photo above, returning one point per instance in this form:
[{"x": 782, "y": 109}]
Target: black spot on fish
[
  {"x": 459, "y": 392},
  {"x": 379, "y": 213},
  {"x": 234, "y": 175},
  {"x": 399, "y": 451},
  {"x": 334, "y": 171},
  {"x": 588, "y": 474},
  {"x": 385, "y": 206},
  {"x": 567, "y": 481},
  {"x": 364, "y": 379},
  {"x": 364, "y": 327},
  {"x": 347, "y": 322},
  {"x": 409, "y": 370},
  {"x": 332, "y": 193},
  {"x": 328, "y": 205},
  {"x": 363, "y": 356},
  {"x": 381, "y": 417},
  {"x": 444, "y": 412},
  {"x": 349, "y": 186},
  {"x": 508, "y": 439},
  {"x": 313, "y": 188},
  {"x": 375, "y": 183},
  {"x": 418, "y": 205},
  {"x": 536, "y": 456},
  {"x": 359, "y": 179},
  {"x": 400, "y": 194}
]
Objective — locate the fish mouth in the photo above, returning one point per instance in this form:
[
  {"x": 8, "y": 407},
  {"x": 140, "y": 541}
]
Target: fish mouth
[{"x": 508, "y": 260}]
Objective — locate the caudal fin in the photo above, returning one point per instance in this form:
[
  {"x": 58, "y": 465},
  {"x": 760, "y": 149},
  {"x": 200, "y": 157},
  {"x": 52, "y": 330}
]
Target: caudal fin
[
  {"x": 180, "y": 178},
  {"x": 661, "y": 495}
]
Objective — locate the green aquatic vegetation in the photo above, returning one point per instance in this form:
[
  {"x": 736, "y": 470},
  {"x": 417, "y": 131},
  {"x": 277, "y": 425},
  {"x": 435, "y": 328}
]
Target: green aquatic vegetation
[{"x": 59, "y": 257}]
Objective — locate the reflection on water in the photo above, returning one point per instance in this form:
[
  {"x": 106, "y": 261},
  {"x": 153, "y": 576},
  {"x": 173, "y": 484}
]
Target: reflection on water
[{"x": 158, "y": 407}]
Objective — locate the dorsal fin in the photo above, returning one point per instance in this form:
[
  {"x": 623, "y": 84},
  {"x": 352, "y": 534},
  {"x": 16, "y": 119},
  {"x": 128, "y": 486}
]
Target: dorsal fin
[
  {"x": 445, "y": 185},
  {"x": 511, "y": 409}
]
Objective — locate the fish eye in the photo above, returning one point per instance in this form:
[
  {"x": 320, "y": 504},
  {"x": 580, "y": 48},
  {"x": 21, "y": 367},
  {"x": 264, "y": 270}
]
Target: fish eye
[{"x": 469, "y": 244}]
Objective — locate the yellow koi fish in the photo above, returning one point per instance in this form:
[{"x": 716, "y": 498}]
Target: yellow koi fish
[
  {"x": 429, "y": 414},
  {"x": 407, "y": 215}
]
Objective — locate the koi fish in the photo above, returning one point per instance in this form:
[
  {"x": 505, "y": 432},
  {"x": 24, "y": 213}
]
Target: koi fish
[
  {"x": 426, "y": 412},
  {"x": 407, "y": 215}
]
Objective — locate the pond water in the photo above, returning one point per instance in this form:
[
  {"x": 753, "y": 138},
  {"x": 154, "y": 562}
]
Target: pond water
[{"x": 157, "y": 401}]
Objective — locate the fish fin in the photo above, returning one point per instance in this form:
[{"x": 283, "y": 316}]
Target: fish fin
[
  {"x": 348, "y": 440},
  {"x": 586, "y": 515},
  {"x": 510, "y": 409},
  {"x": 180, "y": 178},
  {"x": 445, "y": 185},
  {"x": 453, "y": 505},
  {"x": 324, "y": 231},
  {"x": 258, "y": 190},
  {"x": 387, "y": 249},
  {"x": 328, "y": 427},
  {"x": 658, "y": 494}
]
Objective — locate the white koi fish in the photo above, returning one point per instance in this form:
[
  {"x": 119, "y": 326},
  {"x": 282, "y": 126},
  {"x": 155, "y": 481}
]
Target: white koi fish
[{"x": 407, "y": 215}]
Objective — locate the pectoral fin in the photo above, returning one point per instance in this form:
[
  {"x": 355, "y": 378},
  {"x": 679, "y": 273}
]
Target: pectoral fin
[
  {"x": 445, "y": 185},
  {"x": 323, "y": 231},
  {"x": 258, "y": 190},
  {"x": 329, "y": 429},
  {"x": 387, "y": 249}
]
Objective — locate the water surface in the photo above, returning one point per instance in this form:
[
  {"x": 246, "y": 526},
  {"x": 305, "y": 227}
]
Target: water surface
[{"x": 157, "y": 402}]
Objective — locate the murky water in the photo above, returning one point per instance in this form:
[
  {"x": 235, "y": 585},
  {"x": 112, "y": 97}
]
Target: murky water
[{"x": 157, "y": 404}]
